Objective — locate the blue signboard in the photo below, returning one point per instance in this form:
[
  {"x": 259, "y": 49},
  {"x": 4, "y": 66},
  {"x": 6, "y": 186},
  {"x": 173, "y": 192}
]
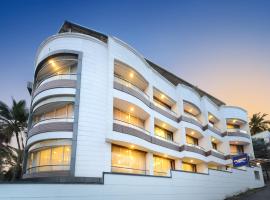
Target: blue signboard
[{"x": 240, "y": 160}]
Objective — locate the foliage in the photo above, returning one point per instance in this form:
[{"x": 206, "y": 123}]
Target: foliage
[
  {"x": 13, "y": 124},
  {"x": 258, "y": 123}
]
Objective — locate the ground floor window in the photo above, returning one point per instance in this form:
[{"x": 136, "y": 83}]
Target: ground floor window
[
  {"x": 162, "y": 166},
  {"x": 44, "y": 159},
  {"x": 189, "y": 167},
  {"x": 126, "y": 160}
]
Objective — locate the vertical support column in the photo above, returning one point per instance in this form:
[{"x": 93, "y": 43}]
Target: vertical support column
[
  {"x": 149, "y": 124},
  {"x": 225, "y": 147},
  {"x": 150, "y": 163},
  {"x": 178, "y": 164},
  {"x": 205, "y": 142},
  {"x": 182, "y": 135},
  {"x": 202, "y": 168}
]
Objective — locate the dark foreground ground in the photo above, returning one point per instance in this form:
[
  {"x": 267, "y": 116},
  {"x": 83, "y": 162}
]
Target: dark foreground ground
[{"x": 256, "y": 194}]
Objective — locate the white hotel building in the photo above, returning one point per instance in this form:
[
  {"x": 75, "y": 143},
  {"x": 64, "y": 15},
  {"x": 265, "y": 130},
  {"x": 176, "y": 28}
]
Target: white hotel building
[{"x": 102, "y": 113}]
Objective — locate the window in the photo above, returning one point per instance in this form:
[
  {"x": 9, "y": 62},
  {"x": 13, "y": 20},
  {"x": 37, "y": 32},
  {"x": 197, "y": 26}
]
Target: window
[
  {"x": 126, "y": 160},
  {"x": 66, "y": 111},
  {"x": 59, "y": 65},
  {"x": 233, "y": 126},
  {"x": 214, "y": 145},
  {"x": 49, "y": 159},
  {"x": 189, "y": 167},
  {"x": 162, "y": 103},
  {"x": 163, "y": 133},
  {"x": 192, "y": 140},
  {"x": 257, "y": 175},
  {"x": 236, "y": 149},
  {"x": 162, "y": 166},
  {"x": 126, "y": 117}
]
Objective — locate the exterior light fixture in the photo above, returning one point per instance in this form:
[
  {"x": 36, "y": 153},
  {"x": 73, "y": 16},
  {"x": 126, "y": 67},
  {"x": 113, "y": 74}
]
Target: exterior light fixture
[
  {"x": 213, "y": 139},
  {"x": 131, "y": 109},
  {"x": 163, "y": 125},
  {"x": 131, "y": 75},
  {"x": 191, "y": 161},
  {"x": 132, "y": 146},
  {"x": 162, "y": 96},
  {"x": 192, "y": 132}
]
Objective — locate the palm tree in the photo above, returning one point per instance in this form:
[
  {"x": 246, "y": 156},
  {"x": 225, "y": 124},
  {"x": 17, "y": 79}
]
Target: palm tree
[
  {"x": 13, "y": 123},
  {"x": 258, "y": 123}
]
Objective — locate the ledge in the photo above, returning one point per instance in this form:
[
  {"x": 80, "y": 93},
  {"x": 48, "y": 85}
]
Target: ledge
[
  {"x": 50, "y": 127},
  {"x": 62, "y": 83}
]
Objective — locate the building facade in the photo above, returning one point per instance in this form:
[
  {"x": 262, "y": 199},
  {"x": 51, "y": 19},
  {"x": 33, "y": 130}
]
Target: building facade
[{"x": 98, "y": 106}]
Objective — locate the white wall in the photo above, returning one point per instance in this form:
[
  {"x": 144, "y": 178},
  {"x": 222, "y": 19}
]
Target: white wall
[{"x": 186, "y": 186}]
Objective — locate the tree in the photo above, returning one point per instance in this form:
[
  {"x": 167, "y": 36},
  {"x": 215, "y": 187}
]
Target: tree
[
  {"x": 13, "y": 123},
  {"x": 258, "y": 123}
]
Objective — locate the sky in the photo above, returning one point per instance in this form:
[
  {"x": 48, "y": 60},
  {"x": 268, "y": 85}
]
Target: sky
[{"x": 221, "y": 46}]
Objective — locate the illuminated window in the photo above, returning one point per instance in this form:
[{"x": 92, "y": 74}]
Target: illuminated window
[
  {"x": 162, "y": 166},
  {"x": 192, "y": 140},
  {"x": 158, "y": 101},
  {"x": 128, "y": 118},
  {"x": 163, "y": 133},
  {"x": 49, "y": 159},
  {"x": 57, "y": 66},
  {"x": 66, "y": 111},
  {"x": 189, "y": 167},
  {"x": 126, "y": 160},
  {"x": 214, "y": 145},
  {"x": 233, "y": 126},
  {"x": 236, "y": 149}
]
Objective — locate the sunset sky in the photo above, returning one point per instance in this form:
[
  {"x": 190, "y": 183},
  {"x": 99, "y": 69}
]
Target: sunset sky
[{"x": 223, "y": 47}]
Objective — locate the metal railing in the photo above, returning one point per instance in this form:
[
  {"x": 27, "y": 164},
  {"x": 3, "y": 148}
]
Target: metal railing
[
  {"x": 122, "y": 81},
  {"x": 46, "y": 120},
  {"x": 164, "y": 108},
  {"x": 47, "y": 168},
  {"x": 217, "y": 151},
  {"x": 233, "y": 130},
  {"x": 192, "y": 117},
  {"x": 165, "y": 139},
  {"x": 119, "y": 169},
  {"x": 196, "y": 146},
  {"x": 68, "y": 76},
  {"x": 118, "y": 121}
]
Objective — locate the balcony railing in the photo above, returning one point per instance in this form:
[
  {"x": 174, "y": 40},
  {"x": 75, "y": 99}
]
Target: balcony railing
[
  {"x": 214, "y": 127},
  {"x": 164, "y": 108},
  {"x": 165, "y": 139},
  {"x": 192, "y": 117},
  {"x": 129, "y": 170},
  {"x": 130, "y": 85},
  {"x": 53, "y": 119},
  {"x": 196, "y": 146},
  {"x": 69, "y": 76},
  {"x": 233, "y": 130},
  {"x": 47, "y": 168},
  {"x": 127, "y": 124},
  {"x": 217, "y": 151},
  {"x": 158, "y": 173}
]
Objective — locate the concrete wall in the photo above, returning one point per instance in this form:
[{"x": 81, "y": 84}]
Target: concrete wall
[{"x": 182, "y": 185}]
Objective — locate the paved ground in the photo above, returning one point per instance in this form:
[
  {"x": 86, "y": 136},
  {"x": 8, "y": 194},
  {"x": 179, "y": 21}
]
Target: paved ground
[{"x": 258, "y": 194}]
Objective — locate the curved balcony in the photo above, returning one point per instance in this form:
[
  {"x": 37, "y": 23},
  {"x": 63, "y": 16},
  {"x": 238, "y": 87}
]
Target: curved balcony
[
  {"x": 157, "y": 104},
  {"x": 67, "y": 76},
  {"x": 236, "y": 133},
  {"x": 51, "y": 127},
  {"x": 132, "y": 126},
  {"x": 193, "y": 148},
  {"x": 233, "y": 112},
  {"x": 129, "y": 85},
  {"x": 53, "y": 120},
  {"x": 48, "y": 156},
  {"x": 216, "y": 153},
  {"x": 55, "y": 67}
]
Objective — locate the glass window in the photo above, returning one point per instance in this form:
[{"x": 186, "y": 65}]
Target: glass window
[
  {"x": 128, "y": 118},
  {"x": 61, "y": 112},
  {"x": 236, "y": 149},
  {"x": 189, "y": 167},
  {"x": 162, "y": 166},
  {"x": 163, "y": 133},
  {"x": 158, "y": 101},
  {"x": 49, "y": 159},
  {"x": 214, "y": 145},
  {"x": 126, "y": 160},
  {"x": 57, "y": 66},
  {"x": 70, "y": 110},
  {"x": 191, "y": 140}
]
